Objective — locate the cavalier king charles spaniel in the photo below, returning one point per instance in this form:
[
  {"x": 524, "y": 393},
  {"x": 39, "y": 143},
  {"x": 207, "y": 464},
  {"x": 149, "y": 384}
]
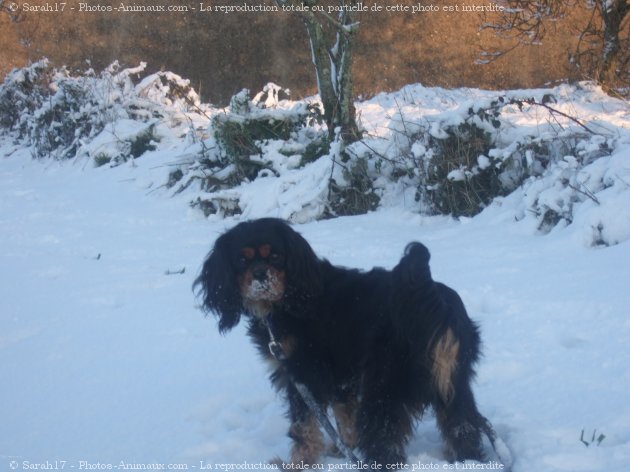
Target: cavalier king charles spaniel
[{"x": 377, "y": 348}]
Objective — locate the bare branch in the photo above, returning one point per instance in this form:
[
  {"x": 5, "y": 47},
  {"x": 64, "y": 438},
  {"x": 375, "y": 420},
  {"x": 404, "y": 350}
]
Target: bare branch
[
  {"x": 554, "y": 111},
  {"x": 602, "y": 51}
]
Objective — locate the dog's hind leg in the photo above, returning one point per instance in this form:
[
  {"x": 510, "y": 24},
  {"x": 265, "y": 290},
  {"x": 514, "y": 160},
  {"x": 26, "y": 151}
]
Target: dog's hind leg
[
  {"x": 463, "y": 427},
  {"x": 459, "y": 419}
]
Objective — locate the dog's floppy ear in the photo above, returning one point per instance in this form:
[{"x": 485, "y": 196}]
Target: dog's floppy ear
[
  {"x": 303, "y": 267},
  {"x": 217, "y": 284}
]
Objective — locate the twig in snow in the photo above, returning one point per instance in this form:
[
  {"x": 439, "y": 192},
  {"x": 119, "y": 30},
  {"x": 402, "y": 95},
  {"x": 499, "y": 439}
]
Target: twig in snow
[{"x": 586, "y": 192}]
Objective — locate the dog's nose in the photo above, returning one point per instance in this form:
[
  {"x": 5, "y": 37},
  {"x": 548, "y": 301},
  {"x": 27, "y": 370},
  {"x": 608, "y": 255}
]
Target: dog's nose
[{"x": 259, "y": 273}]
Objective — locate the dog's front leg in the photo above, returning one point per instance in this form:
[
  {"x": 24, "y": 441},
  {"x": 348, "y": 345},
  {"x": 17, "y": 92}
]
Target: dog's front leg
[
  {"x": 384, "y": 421},
  {"x": 308, "y": 440},
  {"x": 346, "y": 419}
]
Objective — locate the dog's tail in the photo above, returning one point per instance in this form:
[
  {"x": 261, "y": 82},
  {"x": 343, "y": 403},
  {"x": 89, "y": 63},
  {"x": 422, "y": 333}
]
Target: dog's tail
[
  {"x": 418, "y": 308},
  {"x": 413, "y": 269}
]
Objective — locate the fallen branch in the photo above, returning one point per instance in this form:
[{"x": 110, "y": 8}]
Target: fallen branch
[{"x": 586, "y": 192}]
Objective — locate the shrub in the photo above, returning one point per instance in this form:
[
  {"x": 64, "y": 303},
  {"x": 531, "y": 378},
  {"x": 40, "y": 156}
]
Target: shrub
[
  {"x": 242, "y": 131},
  {"x": 356, "y": 195},
  {"x": 21, "y": 94},
  {"x": 101, "y": 159},
  {"x": 460, "y": 177},
  {"x": 68, "y": 117},
  {"x": 59, "y": 113},
  {"x": 217, "y": 205},
  {"x": 143, "y": 142}
]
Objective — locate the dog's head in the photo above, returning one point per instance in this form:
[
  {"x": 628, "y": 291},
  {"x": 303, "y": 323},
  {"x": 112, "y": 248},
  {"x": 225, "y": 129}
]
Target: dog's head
[{"x": 254, "y": 267}]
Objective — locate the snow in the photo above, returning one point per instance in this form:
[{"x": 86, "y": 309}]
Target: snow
[{"x": 105, "y": 358}]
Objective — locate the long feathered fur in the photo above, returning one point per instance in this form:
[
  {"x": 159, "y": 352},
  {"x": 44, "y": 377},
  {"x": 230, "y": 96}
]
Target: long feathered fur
[{"x": 379, "y": 347}]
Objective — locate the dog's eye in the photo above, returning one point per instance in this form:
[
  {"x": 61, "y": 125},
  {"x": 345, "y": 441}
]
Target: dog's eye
[{"x": 276, "y": 259}]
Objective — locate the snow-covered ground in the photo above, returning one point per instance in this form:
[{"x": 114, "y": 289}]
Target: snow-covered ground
[{"x": 105, "y": 359}]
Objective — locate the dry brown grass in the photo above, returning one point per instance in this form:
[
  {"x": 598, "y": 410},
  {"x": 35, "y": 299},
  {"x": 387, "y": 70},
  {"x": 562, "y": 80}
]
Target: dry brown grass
[{"x": 222, "y": 53}]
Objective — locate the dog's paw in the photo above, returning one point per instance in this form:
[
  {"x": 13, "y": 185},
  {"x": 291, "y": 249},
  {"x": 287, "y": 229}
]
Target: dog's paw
[{"x": 333, "y": 451}]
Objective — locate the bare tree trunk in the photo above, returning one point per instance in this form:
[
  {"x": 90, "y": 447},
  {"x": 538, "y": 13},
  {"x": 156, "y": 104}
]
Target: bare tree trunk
[
  {"x": 323, "y": 69},
  {"x": 333, "y": 66},
  {"x": 349, "y": 129},
  {"x": 613, "y": 14}
]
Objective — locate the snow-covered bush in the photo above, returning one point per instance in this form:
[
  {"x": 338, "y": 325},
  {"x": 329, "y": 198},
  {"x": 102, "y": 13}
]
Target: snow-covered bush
[
  {"x": 167, "y": 90},
  {"x": 257, "y": 138},
  {"x": 354, "y": 193},
  {"x": 559, "y": 156},
  {"x": 455, "y": 161},
  {"x": 62, "y": 115},
  {"x": 69, "y": 116},
  {"x": 121, "y": 141},
  {"x": 22, "y": 93},
  {"x": 459, "y": 161},
  {"x": 62, "y": 111},
  {"x": 587, "y": 185},
  {"x": 248, "y": 125},
  {"x": 446, "y": 158},
  {"x": 460, "y": 177}
]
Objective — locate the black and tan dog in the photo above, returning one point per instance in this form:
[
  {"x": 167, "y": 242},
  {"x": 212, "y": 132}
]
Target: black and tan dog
[{"x": 378, "y": 347}]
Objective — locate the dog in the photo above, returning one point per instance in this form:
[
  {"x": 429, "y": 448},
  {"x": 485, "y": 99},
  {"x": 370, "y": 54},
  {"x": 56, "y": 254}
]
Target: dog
[{"x": 377, "y": 348}]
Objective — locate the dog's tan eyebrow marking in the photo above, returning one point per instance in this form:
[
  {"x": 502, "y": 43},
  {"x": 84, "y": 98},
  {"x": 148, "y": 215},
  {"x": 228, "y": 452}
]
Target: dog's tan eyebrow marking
[
  {"x": 264, "y": 251},
  {"x": 248, "y": 253}
]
